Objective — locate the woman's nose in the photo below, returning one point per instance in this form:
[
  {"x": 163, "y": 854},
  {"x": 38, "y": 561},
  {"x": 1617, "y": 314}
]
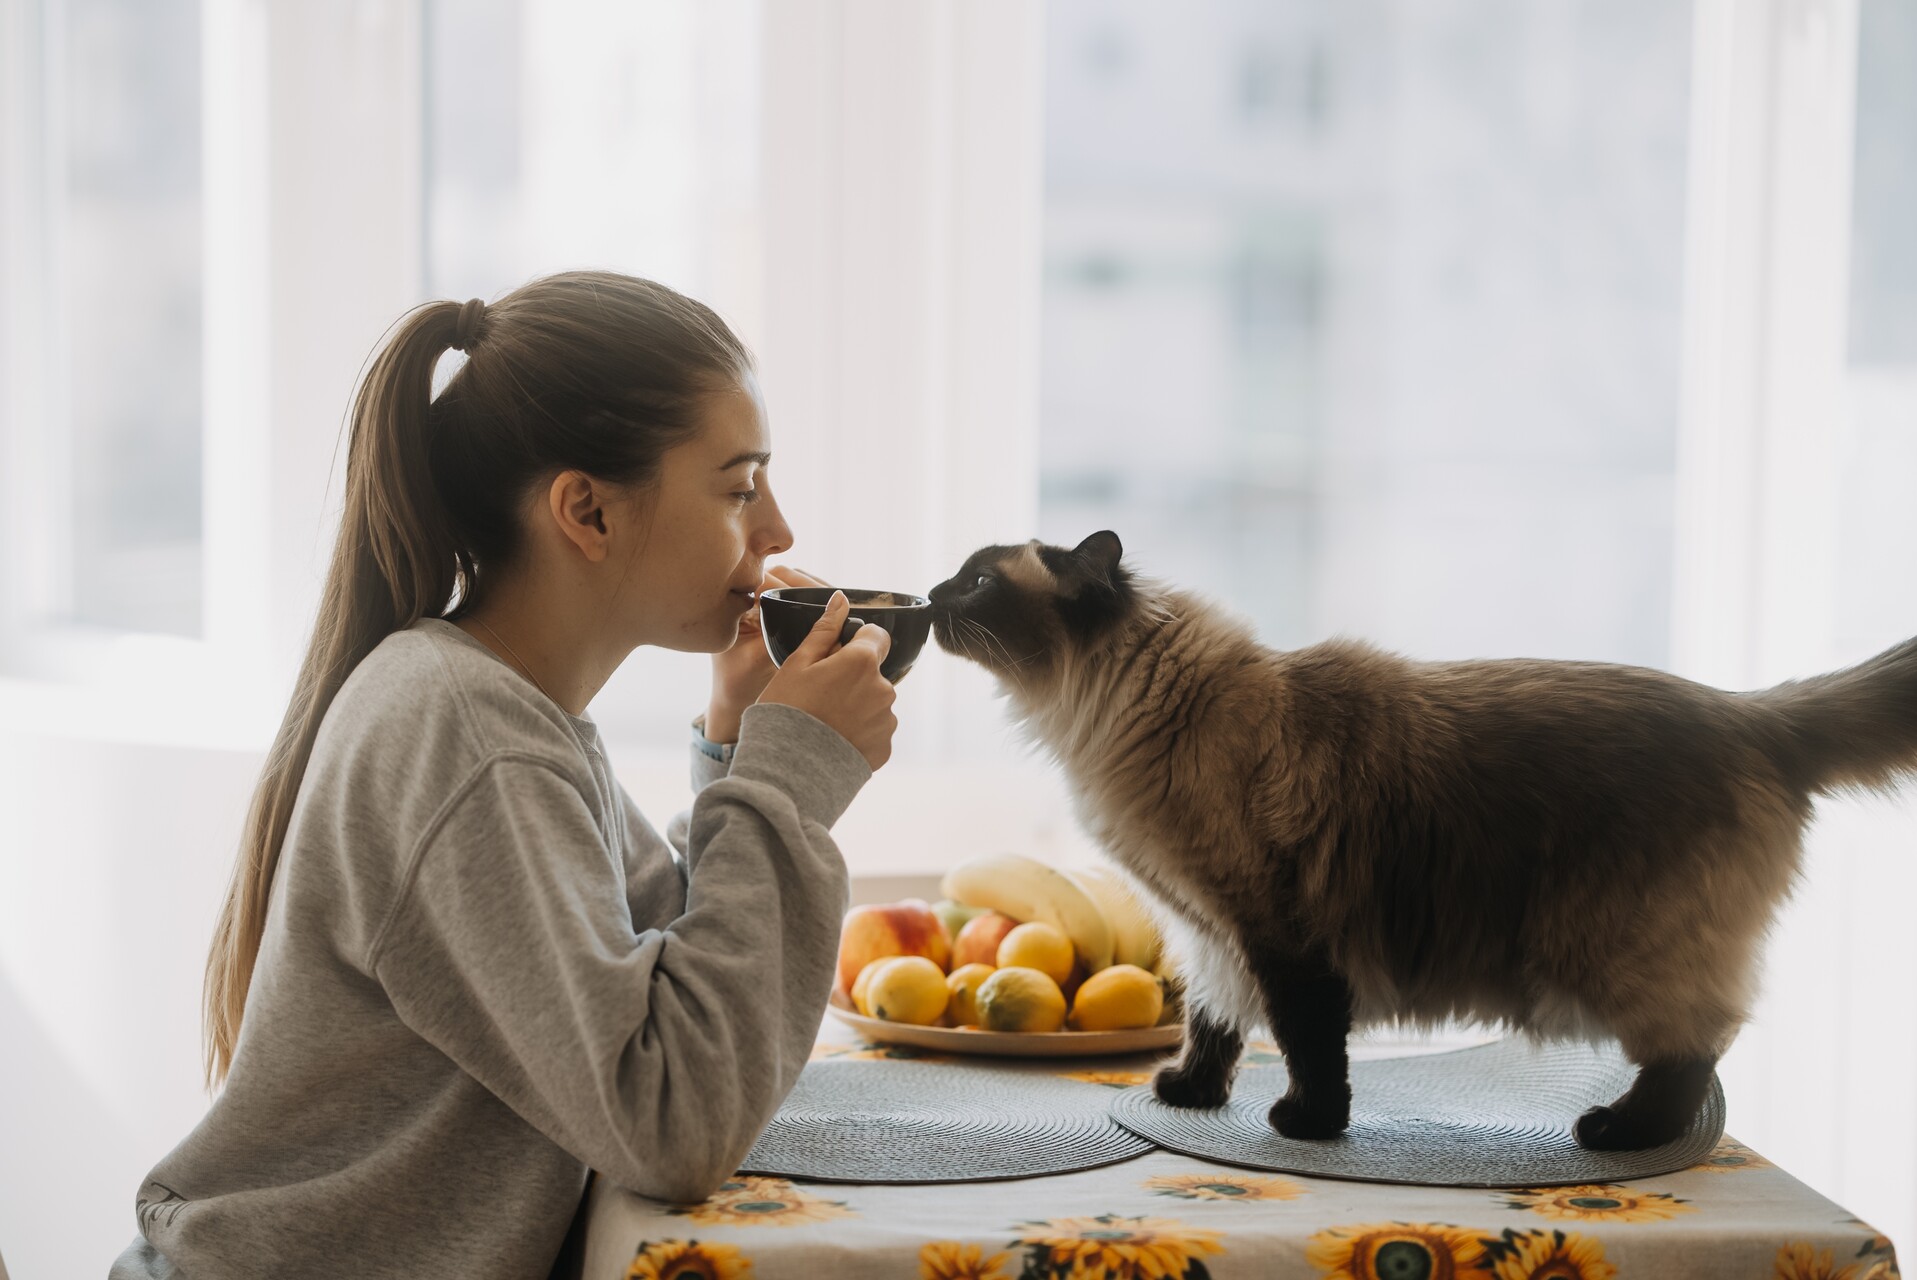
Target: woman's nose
[{"x": 775, "y": 535}]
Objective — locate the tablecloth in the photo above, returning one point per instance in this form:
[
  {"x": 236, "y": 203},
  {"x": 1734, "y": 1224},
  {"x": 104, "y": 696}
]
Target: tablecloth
[{"x": 1164, "y": 1216}]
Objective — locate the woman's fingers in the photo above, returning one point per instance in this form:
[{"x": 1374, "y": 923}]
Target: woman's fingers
[
  {"x": 824, "y": 634},
  {"x": 872, "y": 636},
  {"x": 787, "y": 576}
]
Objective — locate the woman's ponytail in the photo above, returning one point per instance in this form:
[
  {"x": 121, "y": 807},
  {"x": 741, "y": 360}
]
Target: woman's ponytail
[{"x": 394, "y": 561}]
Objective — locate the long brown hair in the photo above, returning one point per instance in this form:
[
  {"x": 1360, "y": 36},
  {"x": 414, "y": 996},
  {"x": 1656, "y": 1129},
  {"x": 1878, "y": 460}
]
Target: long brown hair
[{"x": 591, "y": 371}]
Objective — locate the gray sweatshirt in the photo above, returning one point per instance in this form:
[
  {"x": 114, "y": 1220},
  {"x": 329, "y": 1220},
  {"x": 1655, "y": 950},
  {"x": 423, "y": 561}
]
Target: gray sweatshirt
[{"x": 484, "y": 972}]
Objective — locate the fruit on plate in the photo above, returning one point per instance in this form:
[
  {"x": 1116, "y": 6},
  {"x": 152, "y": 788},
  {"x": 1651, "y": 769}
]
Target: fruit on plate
[
  {"x": 907, "y": 989},
  {"x": 1028, "y": 890},
  {"x": 864, "y": 984},
  {"x": 954, "y": 916},
  {"x": 1071, "y": 984},
  {"x": 1037, "y": 945},
  {"x": 1014, "y": 946},
  {"x": 977, "y": 942},
  {"x": 1135, "y": 938},
  {"x": 875, "y": 931},
  {"x": 1020, "y": 1000},
  {"x": 1121, "y": 998},
  {"x": 961, "y": 985}
]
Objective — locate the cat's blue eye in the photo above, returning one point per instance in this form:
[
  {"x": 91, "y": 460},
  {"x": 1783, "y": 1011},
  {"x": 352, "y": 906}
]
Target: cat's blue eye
[{"x": 984, "y": 579}]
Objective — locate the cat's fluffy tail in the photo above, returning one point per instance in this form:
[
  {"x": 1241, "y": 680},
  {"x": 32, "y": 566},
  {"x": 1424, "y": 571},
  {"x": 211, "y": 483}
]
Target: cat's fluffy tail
[{"x": 1852, "y": 728}]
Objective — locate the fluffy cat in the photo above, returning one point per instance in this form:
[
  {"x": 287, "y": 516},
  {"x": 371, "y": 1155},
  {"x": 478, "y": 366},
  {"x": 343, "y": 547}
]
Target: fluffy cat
[{"x": 1339, "y": 836}]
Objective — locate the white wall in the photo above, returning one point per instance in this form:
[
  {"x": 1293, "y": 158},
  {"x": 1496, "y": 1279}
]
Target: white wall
[{"x": 116, "y": 862}]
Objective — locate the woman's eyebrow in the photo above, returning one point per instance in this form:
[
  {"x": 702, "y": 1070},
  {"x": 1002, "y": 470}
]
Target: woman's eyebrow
[{"x": 763, "y": 459}]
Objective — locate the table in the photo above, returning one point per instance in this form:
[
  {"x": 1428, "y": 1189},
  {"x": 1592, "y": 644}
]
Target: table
[{"x": 1164, "y": 1216}]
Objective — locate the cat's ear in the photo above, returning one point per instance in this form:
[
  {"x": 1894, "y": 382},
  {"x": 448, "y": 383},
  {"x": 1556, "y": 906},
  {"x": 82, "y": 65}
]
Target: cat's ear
[{"x": 1100, "y": 554}]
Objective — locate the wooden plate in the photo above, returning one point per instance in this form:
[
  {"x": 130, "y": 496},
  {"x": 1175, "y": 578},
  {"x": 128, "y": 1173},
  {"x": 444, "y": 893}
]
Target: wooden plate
[{"x": 1014, "y": 1044}]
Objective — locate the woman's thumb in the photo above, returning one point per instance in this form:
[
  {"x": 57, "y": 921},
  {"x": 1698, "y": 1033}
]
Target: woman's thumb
[{"x": 825, "y": 632}]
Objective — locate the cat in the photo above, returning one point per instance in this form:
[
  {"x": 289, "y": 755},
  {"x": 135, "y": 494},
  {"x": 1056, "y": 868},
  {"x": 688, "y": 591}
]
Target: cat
[{"x": 1338, "y": 836}]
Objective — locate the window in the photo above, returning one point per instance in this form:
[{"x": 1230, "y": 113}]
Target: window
[
  {"x": 597, "y": 134},
  {"x": 1366, "y": 317},
  {"x": 102, "y": 339},
  {"x": 1883, "y": 311},
  {"x": 1876, "y": 551},
  {"x": 592, "y": 134}
]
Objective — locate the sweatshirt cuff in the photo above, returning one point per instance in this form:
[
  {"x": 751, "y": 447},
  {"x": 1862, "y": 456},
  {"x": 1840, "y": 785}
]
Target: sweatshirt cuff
[
  {"x": 705, "y": 770},
  {"x": 802, "y": 756},
  {"x": 711, "y": 761}
]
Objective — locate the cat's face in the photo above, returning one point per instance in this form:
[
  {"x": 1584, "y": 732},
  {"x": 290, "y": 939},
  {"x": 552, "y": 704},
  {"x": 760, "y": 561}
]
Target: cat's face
[{"x": 1016, "y": 610}]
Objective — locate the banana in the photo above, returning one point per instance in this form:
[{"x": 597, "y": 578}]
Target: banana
[
  {"x": 1025, "y": 889},
  {"x": 1135, "y": 937}
]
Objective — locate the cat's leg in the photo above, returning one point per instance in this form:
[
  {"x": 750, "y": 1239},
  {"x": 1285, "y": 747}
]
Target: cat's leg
[
  {"x": 1201, "y": 1077},
  {"x": 1657, "y": 1108},
  {"x": 1310, "y": 1011},
  {"x": 1675, "y": 1034}
]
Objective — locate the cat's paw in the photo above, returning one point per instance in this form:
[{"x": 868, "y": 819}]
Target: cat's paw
[
  {"x": 1602, "y": 1129},
  {"x": 1613, "y": 1129},
  {"x": 1295, "y": 1117},
  {"x": 1178, "y": 1089}
]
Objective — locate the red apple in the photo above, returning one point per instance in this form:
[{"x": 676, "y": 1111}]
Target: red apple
[
  {"x": 978, "y": 941},
  {"x": 1074, "y": 981},
  {"x": 875, "y": 931}
]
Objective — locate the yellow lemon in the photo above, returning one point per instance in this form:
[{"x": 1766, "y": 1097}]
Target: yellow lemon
[
  {"x": 1018, "y": 999},
  {"x": 907, "y": 989},
  {"x": 1040, "y": 946},
  {"x": 864, "y": 984},
  {"x": 961, "y": 1008},
  {"x": 1118, "y": 999}
]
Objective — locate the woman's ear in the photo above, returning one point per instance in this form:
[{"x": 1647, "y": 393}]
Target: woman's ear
[{"x": 578, "y": 505}]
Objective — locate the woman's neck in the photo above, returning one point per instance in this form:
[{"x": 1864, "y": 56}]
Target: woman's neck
[{"x": 538, "y": 635}]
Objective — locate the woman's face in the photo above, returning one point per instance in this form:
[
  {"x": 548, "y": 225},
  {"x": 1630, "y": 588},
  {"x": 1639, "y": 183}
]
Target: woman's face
[{"x": 708, "y": 529}]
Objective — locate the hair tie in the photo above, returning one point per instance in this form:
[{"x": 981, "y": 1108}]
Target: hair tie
[{"x": 466, "y": 328}]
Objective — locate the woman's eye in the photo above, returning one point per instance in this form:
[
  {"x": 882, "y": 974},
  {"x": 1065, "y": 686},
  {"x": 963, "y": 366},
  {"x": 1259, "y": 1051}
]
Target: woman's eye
[{"x": 747, "y": 496}]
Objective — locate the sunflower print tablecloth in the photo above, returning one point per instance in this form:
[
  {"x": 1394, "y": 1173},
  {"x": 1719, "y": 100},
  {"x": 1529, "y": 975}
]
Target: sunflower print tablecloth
[{"x": 1164, "y": 1216}]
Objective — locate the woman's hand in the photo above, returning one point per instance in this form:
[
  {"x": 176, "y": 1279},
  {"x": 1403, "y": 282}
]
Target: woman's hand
[
  {"x": 741, "y": 673},
  {"x": 842, "y": 685}
]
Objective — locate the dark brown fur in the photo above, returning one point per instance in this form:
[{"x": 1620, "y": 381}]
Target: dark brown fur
[{"x": 1339, "y": 836}]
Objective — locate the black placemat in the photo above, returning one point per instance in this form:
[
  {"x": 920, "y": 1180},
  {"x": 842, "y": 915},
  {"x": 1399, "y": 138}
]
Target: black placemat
[
  {"x": 901, "y": 1121},
  {"x": 1497, "y": 1115}
]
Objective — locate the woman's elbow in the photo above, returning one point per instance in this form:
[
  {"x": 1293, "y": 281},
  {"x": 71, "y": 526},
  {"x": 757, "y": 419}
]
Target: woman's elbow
[{"x": 675, "y": 1174}]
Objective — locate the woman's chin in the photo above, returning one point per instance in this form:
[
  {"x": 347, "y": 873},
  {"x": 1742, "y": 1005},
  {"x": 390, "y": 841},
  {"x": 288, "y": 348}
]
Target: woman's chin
[
  {"x": 729, "y": 634},
  {"x": 721, "y": 635}
]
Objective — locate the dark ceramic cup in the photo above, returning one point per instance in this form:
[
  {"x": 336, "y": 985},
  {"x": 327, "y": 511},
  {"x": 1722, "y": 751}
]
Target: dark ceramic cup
[{"x": 788, "y": 614}]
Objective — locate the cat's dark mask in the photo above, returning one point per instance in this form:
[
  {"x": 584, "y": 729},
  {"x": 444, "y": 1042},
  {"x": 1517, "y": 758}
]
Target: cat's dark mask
[{"x": 1012, "y": 609}]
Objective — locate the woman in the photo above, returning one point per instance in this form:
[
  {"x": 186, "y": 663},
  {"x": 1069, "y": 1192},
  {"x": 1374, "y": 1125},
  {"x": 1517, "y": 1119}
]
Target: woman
[{"x": 456, "y": 967}]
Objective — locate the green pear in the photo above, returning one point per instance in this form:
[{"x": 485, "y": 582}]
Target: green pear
[{"x": 954, "y": 914}]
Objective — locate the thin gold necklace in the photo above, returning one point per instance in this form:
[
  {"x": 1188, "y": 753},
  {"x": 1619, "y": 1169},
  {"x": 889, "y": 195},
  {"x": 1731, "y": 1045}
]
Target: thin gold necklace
[{"x": 521, "y": 661}]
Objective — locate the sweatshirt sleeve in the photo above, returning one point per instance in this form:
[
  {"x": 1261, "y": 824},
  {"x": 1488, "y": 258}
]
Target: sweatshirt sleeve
[{"x": 656, "y": 1057}]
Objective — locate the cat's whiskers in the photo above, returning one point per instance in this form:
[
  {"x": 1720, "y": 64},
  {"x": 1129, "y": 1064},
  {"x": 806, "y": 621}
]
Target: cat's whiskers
[{"x": 1004, "y": 654}]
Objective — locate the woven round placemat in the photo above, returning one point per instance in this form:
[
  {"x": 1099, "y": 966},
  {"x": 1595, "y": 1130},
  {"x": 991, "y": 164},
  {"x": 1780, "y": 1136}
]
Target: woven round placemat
[
  {"x": 1498, "y": 1115},
  {"x": 934, "y": 1122}
]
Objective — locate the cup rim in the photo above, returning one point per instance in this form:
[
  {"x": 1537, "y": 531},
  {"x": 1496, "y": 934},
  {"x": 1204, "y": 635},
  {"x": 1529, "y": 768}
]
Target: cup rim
[{"x": 916, "y": 601}]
